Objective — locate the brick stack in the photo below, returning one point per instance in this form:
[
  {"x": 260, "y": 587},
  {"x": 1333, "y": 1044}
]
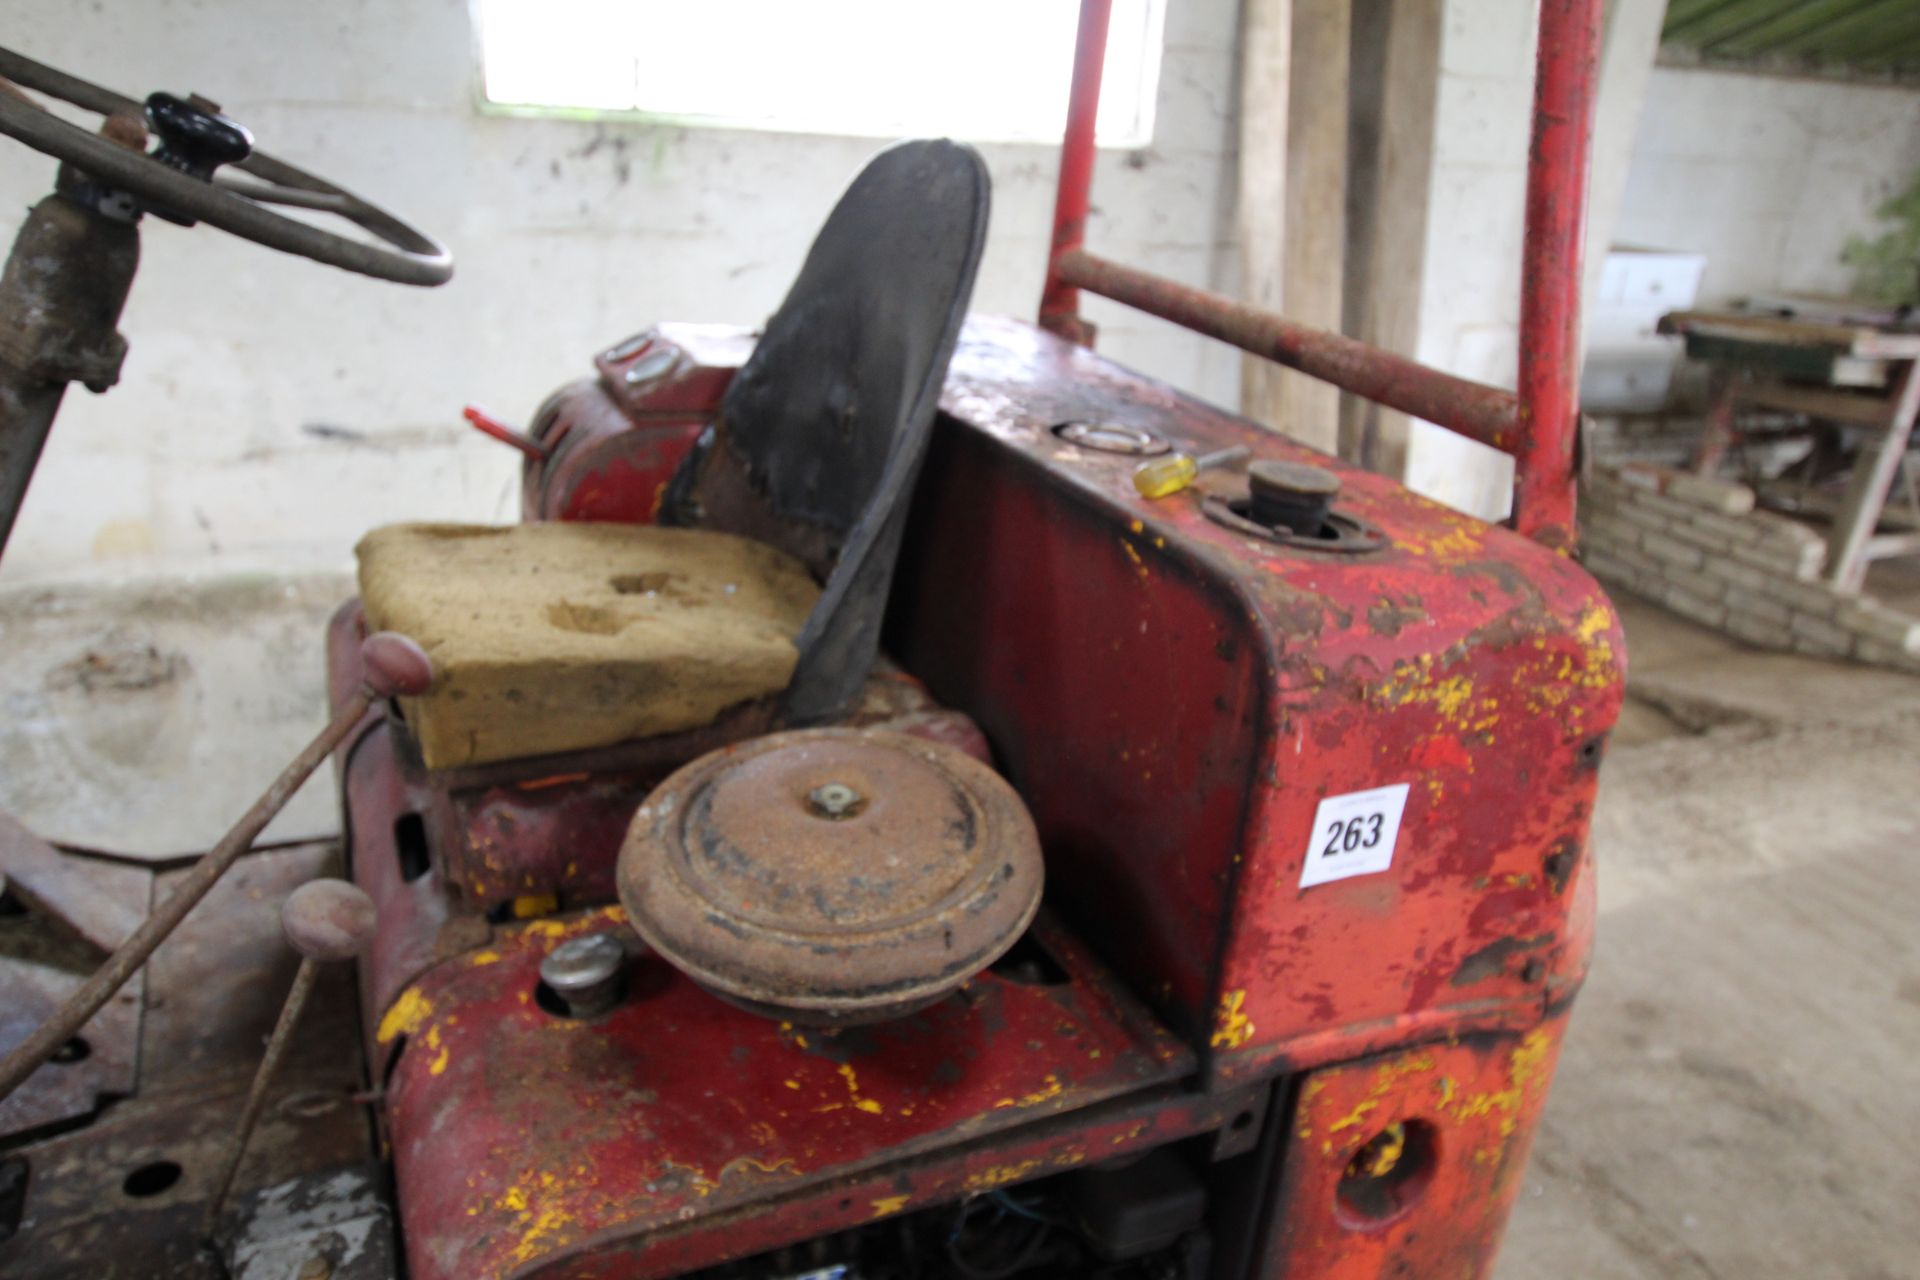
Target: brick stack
[{"x": 1697, "y": 546}]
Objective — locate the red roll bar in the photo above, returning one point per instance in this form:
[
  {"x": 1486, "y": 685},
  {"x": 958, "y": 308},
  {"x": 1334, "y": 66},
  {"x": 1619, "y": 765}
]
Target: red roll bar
[
  {"x": 1537, "y": 425},
  {"x": 1060, "y": 301}
]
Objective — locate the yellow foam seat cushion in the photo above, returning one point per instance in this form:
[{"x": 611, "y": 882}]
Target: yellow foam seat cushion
[{"x": 559, "y": 637}]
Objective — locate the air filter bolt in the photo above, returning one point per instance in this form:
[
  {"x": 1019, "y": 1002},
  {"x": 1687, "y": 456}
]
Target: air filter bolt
[
  {"x": 836, "y": 800},
  {"x": 585, "y": 973}
]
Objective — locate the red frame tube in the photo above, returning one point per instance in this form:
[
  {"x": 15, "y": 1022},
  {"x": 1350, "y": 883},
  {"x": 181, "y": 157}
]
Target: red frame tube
[
  {"x": 1537, "y": 426},
  {"x": 1566, "y": 68},
  {"x": 1060, "y": 302}
]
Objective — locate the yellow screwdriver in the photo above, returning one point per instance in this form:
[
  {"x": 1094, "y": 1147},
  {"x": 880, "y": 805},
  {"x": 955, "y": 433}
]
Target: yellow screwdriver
[{"x": 1169, "y": 473}]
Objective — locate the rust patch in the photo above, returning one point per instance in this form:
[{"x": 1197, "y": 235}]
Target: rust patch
[
  {"x": 1490, "y": 961},
  {"x": 1559, "y": 864},
  {"x": 1389, "y": 617}
]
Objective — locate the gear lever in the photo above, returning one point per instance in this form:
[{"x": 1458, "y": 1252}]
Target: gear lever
[{"x": 324, "y": 920}]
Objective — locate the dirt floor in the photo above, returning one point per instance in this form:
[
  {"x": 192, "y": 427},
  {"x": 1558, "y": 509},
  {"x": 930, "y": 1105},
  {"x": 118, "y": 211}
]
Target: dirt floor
[{"x": 1740, "y": 1091}]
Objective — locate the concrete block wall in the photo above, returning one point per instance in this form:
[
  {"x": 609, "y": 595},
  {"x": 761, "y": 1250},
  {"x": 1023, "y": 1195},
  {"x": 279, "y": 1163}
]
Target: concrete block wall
[
  {"x": 1662, "y": 439},
  {"x": 1698, "y": 547}
]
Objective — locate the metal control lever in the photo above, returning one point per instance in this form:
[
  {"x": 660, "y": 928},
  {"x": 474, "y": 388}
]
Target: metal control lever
[
  {"x": 323, "y": 920},
  {"x": 394, "y": 665}
]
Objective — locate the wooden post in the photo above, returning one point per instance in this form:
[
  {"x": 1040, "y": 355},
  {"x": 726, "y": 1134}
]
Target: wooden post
[
  {"x": 1395, "y": 77},
  {"x": 1314, "y": 271},
  {"x": 1260, "y": 218},
  {"x": 1874, "y": 468}
]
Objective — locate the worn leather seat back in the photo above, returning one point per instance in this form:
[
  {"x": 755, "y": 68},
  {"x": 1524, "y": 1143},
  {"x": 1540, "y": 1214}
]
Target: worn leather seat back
[{"x": 822, "y": 433}]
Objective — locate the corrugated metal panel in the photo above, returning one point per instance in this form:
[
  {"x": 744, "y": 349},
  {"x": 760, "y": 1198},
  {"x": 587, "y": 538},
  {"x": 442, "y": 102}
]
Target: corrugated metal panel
[{"x": 1857, "y": 39}]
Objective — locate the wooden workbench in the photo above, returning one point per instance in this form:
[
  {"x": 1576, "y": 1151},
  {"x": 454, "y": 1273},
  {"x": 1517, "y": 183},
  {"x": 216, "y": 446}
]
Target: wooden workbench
[{"x": 1858, "y": 375}]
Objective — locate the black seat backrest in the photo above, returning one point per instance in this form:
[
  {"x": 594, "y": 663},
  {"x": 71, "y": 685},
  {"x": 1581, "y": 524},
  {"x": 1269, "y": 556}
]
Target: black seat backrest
[{"x": 821, "y": 435}]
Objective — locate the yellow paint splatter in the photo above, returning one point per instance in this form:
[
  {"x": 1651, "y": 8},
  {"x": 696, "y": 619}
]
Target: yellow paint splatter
[
  {"x": 889, "y": 1204},
  {"x": 740, "y": 1165},
  {"x": 1459, "y": 543},
  {"x": 553, "y": 930},
  {"x": 1380, "y": 1157},
  {"x": 867, "y": 1105},
  {"x": 1231, "y": 1026},
  {"x": 439, "y": 1063},
  {"x": 480, "y": 959},
  {"x": 1050, "y": 1088},
  {"x": 405, "y": 1017},
  {"x": 1000, "y": 1175},
  {"x": 542, "y": 1218},
  {"x": 1526, "y": 1071},
  {"x": 529, "y": 905},
  {"x": 1413, "y": 683},
  {"x": 1529, "y": 1059}
]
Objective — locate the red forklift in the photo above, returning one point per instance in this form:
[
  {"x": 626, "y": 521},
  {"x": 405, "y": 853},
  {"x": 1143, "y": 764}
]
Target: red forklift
[{"x": 912, "y": 799}]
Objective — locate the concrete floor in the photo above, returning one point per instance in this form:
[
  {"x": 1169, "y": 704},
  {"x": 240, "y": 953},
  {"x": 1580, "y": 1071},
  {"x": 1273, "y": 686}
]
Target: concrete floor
[
  {"x": 140, "y": 717},
  {"x": 1739, "y": 1094}
]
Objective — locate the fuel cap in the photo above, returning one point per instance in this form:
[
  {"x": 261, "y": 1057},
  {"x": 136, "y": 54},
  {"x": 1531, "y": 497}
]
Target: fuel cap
[
  {"x": 1291, "y": 495},
  {"x": 832, "y": 876}
]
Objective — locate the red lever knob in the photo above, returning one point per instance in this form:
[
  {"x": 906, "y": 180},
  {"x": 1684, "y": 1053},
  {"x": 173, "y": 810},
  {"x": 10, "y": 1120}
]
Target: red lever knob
[
  {"x": 395, "y": 665},
  {"x": 328, "y": 920}
]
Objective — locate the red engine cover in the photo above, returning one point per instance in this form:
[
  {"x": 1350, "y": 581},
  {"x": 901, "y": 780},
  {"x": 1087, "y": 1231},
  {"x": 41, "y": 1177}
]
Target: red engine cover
[{"x": 1207, "y": 725}]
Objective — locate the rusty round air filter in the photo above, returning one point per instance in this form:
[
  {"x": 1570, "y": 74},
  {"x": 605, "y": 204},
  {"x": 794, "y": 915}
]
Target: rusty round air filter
[{"x": 832, "y": 876}]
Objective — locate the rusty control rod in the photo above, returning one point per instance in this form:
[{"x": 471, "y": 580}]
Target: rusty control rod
[
  {"x": 1473, "y": 409},
  {"x": 323, "y": 920},
  {"x": 394, "y": 665}
]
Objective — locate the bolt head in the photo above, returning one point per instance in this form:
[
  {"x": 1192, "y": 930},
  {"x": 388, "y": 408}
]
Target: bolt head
[
  {"x": 654, "y": 364},
  {"x": 328, "y": 920},
  {"x": 580, "y": 966},
  {"x": 835, "y": 800},
  {"x": 631, "y": 347}
]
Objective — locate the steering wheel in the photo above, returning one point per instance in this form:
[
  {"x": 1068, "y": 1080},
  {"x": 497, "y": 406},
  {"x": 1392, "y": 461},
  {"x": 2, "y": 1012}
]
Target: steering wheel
[{"x": 176, "y": 181}]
